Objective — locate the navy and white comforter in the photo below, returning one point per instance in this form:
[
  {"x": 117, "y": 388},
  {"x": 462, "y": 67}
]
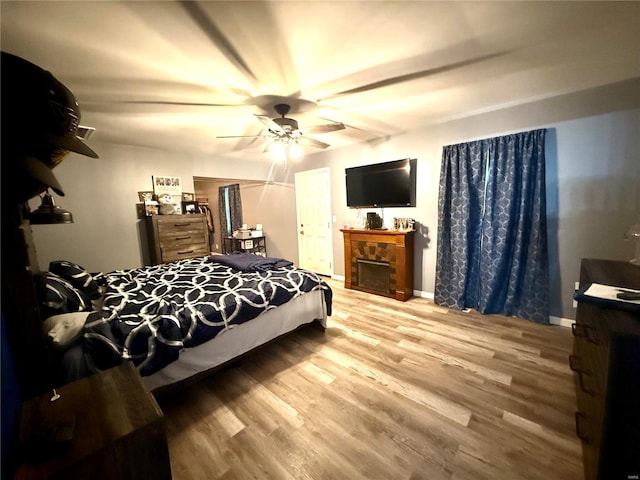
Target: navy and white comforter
[{"x": 150, "y": 314}]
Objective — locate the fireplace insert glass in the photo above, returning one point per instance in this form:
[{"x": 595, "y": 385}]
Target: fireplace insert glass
[{"x": 374, "y": 275}]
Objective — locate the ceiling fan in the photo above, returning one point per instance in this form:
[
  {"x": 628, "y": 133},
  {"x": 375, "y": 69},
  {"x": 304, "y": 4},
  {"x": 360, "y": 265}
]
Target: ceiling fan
[{"x": 285, "y": 132}]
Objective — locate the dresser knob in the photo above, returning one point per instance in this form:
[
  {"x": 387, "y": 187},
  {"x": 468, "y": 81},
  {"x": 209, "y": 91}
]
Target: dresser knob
[
  {"x": 576, "y": 330},
  {"x": 581, "y": 417},
  {"x": 591, "y": 335},
  {"x": 582, "y": 435},
  {"x": 574, "y": 365}
]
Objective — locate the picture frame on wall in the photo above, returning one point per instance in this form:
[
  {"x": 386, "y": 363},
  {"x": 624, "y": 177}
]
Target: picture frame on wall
[
  {"x": 190, "y": 207},
  {"x": 170, "y": 185}
]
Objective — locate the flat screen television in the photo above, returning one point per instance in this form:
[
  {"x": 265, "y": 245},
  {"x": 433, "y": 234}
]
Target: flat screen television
[{"x": 387, "y": 184}]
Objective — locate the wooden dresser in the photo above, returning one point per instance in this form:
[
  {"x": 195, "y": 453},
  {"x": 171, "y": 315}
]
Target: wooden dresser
[
  {"x": 176, "y": 237},
  {"x": 606, "y": 364},
  {"x": 117, "y": 431}
]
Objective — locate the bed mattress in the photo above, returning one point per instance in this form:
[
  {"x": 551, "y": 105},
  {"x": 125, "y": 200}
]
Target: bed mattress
[{"x": 242, "y": 338}]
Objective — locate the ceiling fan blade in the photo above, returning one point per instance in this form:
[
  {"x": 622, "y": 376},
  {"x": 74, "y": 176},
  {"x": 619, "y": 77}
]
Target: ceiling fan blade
[
  {"x": 245, "y": 136},
  {"x": 329, "y": 127},
  {"x": 312, "y": 142},
  {"x": 268, "y": 146},
  {"x": 161, "y": 107},
  {"x": 271, "y": 125},
  {"x": 181, "y": 104},
  {"x": 412, "y": 76},
  {"x": 217, "y": 36}
]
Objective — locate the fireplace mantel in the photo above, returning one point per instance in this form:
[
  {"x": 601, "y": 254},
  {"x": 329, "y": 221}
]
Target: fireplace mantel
[{"x": 391, "y": 247}]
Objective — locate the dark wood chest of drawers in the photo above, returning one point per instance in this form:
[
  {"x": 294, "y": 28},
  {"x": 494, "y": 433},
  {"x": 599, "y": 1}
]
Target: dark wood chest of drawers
[
  {"x": 118, "y": 431},
  {"x": 176, "y": 237},
  {"x": 606, "y": 364}
]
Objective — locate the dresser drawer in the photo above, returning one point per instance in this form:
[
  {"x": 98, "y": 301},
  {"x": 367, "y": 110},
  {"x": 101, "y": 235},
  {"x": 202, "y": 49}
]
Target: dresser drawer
[
  {"x": 592, "y": 343},
  {"x": 186, "y": 251},
  {"x": 179, "y": 226},
  {"x": 185, "y": 234},
  {"x": 176, "y": 237},
  {"x": 181, "y": 240},
  {"x": 606, "y": 365}
]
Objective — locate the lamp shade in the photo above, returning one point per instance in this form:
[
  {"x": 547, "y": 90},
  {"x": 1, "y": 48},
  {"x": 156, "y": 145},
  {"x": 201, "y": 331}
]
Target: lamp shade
[{"x": 49, "y": 213}]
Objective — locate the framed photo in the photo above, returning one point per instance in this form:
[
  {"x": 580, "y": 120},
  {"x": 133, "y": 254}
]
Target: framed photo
[
  {"x": 171, "y": 185},
  {"x": 145, "y": 196},
  {"x": 190, "y": 207},
  {"x": 188, "y": 197},
  {"x": 151, "y": 208}
]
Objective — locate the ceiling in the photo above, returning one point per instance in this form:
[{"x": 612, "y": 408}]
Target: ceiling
[{"x": 175, "y": 75}]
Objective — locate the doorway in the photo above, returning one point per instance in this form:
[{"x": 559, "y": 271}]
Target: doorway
[{"x": 313, "y": 214}]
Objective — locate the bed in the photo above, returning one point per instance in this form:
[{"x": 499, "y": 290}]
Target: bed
[{"x": 177, "y": 320}]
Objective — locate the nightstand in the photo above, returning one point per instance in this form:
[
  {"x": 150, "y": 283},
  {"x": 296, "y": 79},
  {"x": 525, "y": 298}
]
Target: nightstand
[
  {"x": 118, "y": 431},
  {"x": 257, "y": 245}
]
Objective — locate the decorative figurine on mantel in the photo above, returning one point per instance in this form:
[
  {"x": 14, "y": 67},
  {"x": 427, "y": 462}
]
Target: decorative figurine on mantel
[
  {"x": 167, "y": 207},
  {"x": 403, "y": 224}
]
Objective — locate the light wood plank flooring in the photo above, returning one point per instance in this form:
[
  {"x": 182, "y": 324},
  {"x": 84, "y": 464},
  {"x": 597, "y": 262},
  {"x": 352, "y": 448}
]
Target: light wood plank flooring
[{"x": 391, "y": 390}]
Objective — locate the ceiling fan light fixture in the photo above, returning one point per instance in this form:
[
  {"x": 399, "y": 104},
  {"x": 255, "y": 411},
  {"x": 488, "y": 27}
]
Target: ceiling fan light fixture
[
  {"x": 295, "y": 152},
  {"x": 287, "y": 124},
  {"x": 286, "y": 136},
  {"x": 279, "y": 151}
]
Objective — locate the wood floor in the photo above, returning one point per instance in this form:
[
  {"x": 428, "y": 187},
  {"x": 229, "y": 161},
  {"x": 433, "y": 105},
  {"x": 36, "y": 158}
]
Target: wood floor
[{"x": 391, "y": 390}]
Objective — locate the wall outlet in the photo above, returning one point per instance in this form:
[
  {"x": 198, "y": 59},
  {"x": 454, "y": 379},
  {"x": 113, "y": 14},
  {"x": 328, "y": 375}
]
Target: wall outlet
[{"x": 217, "y": 246}]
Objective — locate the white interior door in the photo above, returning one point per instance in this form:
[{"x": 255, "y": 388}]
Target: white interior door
[{"x": 313, "y": 212}]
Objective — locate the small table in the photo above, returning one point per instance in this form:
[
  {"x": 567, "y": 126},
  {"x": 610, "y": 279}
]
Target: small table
[
  {"x": 245, "y": 245},
  {"x": 118, "y": 430}
]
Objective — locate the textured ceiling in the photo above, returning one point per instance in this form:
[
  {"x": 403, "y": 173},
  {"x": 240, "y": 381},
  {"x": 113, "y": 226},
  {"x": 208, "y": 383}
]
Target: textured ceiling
[{"x": 174, "y": 75}]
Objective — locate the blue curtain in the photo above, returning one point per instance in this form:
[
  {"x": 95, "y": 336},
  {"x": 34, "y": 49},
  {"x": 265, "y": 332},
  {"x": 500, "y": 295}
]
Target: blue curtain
[
  {"x": 492, "y": 232},
  {"x": 229, "y": 208}
]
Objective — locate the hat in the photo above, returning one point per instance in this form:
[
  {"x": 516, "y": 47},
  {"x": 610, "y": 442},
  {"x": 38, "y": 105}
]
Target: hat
[
  {"x": 38, "y": 109},
  {"x": 36, "y": 170},
  {"x": 25, "y": 177}
]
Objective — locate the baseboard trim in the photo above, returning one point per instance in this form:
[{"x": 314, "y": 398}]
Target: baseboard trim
[
  {"x": 337, "y": 277},
  {"x": 420, "y": 293},
  {"x": 563, "y": 322}
]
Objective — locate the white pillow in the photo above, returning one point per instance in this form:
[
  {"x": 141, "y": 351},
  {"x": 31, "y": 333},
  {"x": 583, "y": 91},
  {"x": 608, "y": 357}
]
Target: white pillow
[{"x": 63, "y": 329}]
